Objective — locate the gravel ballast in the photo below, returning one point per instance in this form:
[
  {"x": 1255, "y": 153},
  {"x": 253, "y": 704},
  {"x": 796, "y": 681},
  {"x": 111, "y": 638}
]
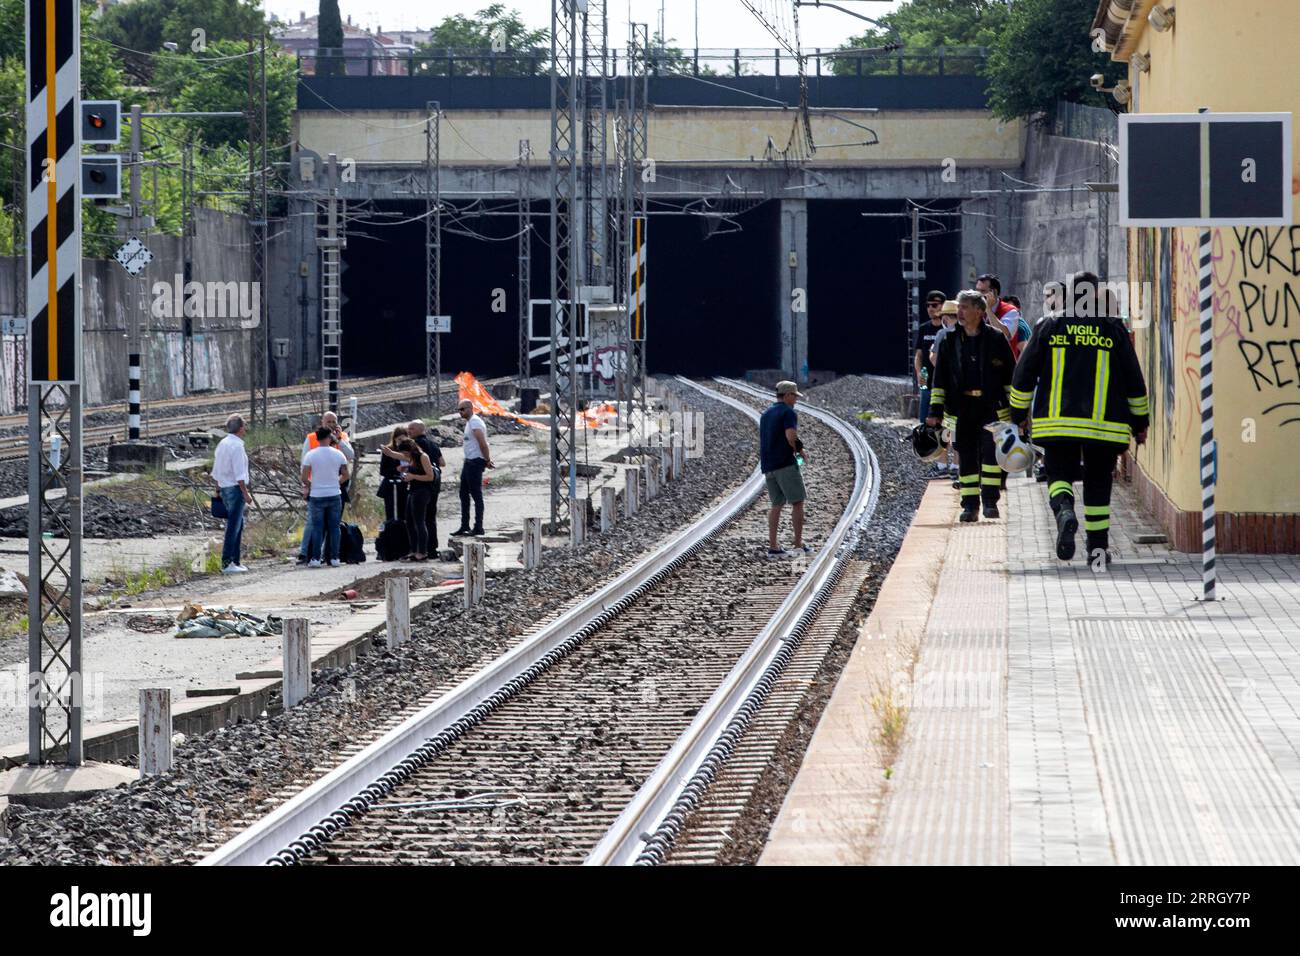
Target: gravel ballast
[{"x": 222, "y": 776}]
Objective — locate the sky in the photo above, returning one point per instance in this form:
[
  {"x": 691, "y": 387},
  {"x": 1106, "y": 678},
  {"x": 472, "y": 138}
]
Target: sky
[{"x": 722, "y": 23}]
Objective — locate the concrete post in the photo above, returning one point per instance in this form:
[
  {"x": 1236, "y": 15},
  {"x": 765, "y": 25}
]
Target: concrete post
[
  {"x": 650, "y": 473},
  {"x": 155, "y": 731},
  {"x": 631, "y": 491},
  {"x": 296, "y": 645},
  {"x": 475, "y": 581},
  {"x": 792, "y": 305},
  {"x": 577, "y": 521},
  {"x": 532, "y": 542},
  {"x": 608, "y": 508},
  {"x": 661, "y": 464},
  {"x": 397, "y": 604}
]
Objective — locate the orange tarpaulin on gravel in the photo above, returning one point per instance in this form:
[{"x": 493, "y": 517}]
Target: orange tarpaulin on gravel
[{"x": 484, "y": 402}]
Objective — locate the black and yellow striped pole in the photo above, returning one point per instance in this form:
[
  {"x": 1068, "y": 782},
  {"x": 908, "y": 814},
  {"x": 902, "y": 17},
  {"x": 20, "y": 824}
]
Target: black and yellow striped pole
[{"x": 54, "y": 378}]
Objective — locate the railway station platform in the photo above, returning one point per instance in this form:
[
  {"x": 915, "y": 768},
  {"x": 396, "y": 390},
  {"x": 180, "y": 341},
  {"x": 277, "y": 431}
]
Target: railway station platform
[{"x": 1002, "y": 707}]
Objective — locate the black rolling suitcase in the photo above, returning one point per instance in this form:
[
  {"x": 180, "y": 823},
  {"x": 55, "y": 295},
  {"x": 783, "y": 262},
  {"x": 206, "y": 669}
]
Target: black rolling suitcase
[{"x": 393, "y": 542}]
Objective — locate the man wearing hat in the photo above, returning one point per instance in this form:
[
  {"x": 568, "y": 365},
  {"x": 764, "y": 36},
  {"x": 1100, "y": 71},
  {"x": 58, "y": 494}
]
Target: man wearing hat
[
  {"x": 781, "y": 455},
  {"x": 921, "y": 364}
]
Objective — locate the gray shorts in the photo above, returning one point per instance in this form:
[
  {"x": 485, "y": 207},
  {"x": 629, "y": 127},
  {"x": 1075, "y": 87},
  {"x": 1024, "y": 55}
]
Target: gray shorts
[{"x": 785, "y": 486}]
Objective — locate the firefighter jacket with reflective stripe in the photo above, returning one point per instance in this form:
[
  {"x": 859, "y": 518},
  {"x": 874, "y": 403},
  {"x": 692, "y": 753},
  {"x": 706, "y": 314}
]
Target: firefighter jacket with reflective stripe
[
  {"x": 1083, "y": 380},
  {"x": 947, "y": 391}
]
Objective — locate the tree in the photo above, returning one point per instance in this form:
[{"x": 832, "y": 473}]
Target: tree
[
  {"x": 139, "y": 29},
  {"x": 1046, "y": 55},
  {"x": 218, "y": 81},
  {"x": 329, "y": 36},
  {"x": 922, "y": 25},
  {"x": 494, "y": 30}
]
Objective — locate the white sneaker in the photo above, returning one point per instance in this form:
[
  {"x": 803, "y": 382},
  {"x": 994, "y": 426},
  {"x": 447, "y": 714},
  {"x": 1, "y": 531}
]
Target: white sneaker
[
  {"x": 335, "y": 562},
  {"x": 314, "y": 563},
  {"x": 234, "y": 569}
]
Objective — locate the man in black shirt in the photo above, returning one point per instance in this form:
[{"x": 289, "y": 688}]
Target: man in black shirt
[
  {"x": 781, "y": 457},
  {"x": 427, "y": 445},
  {"x": 924, "y": 342},
  {"x": 972, "y": 387}
]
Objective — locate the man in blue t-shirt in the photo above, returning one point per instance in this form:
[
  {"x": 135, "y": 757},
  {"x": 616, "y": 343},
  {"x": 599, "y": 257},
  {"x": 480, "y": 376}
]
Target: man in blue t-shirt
[{"x": 781, "y": 456}]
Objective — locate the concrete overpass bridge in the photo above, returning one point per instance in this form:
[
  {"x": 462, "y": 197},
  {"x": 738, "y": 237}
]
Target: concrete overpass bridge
[{"x": 725, "y": 218}]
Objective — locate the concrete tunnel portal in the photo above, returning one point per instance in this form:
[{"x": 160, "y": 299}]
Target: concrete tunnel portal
[{"x": 714, "y": 288}]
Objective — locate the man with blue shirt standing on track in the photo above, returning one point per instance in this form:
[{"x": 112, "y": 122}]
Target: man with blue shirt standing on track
[{"x": 781, "y": 457}]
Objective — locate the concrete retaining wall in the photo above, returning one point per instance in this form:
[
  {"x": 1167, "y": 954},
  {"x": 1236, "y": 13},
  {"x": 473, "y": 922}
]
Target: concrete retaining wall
[{"x": 220, "y": 346}]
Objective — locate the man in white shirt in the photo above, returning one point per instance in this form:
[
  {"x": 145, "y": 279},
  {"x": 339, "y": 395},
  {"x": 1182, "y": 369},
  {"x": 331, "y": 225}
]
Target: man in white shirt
[
  {"x": 477, "y": 458},
  {"x": 230, "y": 472},
  {"x": 324, "y": 472},
  {"x": 339, "y": 439}
]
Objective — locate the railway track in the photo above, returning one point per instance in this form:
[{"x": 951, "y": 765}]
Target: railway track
[
  {"x": 286, "y": 400},
  {"x": 594, "y": 739}
]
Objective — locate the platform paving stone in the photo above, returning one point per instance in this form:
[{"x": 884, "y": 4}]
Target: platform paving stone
[{"x": 1063, "y": 716}]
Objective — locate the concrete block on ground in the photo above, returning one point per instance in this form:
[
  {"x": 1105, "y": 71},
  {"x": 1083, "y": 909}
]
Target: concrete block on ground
[
  {"x": 136, "y": 456},
  {"x": 608, "y": 508},
  {"x": 475, "y": 581},
  {"x": 631, "y": 491},
  {"x": 397, "y": 609},
  {"x": 155, "y": 731},
  {"x": 57, "y": 785},
  {"x": 296, "y": 645},
  {"x": 577, "y": 521},
  {"x": 532, "y": 542}
]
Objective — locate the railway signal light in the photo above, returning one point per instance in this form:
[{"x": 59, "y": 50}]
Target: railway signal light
[
  {"x": 101, "y": 177},
  {"x": 101, "y": 122}
]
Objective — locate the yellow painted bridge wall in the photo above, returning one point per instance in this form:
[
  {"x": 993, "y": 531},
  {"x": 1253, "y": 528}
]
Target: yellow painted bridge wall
[
  {"x": 677, "y": 135},
  {"x": 1230, "y": 57}
]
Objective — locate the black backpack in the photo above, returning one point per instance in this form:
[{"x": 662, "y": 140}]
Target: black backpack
[
  {"x": 352, "y": 546},
  {"x": 393, "y": 543}
]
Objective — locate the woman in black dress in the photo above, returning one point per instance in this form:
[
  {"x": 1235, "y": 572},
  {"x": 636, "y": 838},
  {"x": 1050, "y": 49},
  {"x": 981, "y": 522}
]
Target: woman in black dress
[{"x": 419, "y": 481}]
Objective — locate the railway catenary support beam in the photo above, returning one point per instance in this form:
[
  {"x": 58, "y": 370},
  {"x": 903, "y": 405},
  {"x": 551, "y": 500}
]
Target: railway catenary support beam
[
  {"x": 792, "y": 303},
  {"x": 525, "y": 260},
  {"x": 433, "y": 253},
  {"x": 565, "y": 254}
]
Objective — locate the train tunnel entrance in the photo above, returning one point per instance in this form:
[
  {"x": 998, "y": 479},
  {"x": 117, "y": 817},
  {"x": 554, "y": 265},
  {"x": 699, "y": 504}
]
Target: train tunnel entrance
[
  {"x": 857, "y": 297},
  {"x": 712, "y": 287}
]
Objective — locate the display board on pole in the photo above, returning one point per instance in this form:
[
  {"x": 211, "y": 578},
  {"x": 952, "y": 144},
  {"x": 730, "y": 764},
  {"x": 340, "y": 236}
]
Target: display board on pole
[{"x": 1205, "y": 170}]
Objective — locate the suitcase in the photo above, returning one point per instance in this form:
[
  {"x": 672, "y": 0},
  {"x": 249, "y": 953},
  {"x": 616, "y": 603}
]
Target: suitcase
[
  {"x": 352, "y": 546},
  {"x": 393, "y": 542}
]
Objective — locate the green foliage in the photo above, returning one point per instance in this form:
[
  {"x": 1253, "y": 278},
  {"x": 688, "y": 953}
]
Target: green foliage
[
  {"x": 922, "y": 25},
  {"x": 140, "y": 28},
  {"x": 1045, "y": 55},
  {"x": 217, "y": 80},
  {"x": 494, "y": 28}
]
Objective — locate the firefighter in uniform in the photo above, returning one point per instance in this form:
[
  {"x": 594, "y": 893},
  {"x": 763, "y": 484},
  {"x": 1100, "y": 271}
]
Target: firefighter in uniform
[
  {"x": 1082, "y": 378},
  {"x": 972, "y": 385}
]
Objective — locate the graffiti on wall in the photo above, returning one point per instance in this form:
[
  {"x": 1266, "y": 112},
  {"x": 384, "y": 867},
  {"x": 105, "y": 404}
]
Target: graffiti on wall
[
  {"x": 1167, "y": 381},
  {"x": 1255, "y": 288}
]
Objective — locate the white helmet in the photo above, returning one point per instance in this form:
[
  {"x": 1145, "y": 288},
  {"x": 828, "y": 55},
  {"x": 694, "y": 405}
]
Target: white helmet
[{"x": 1014, "y": 454}]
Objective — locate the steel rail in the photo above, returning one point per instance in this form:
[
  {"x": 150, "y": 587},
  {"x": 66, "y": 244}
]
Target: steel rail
[
  {"x": 646, "y": 830},
  {"x": 311, "y": 818}
]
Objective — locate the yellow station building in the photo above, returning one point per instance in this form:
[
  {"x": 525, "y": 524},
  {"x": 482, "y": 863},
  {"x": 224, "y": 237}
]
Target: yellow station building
[{"x": 1229, "y": 56}]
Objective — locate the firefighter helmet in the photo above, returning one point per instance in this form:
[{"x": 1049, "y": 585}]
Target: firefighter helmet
[
  {"x": 926, "y": 442},
  {"x": 1014, "y": 454}
]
